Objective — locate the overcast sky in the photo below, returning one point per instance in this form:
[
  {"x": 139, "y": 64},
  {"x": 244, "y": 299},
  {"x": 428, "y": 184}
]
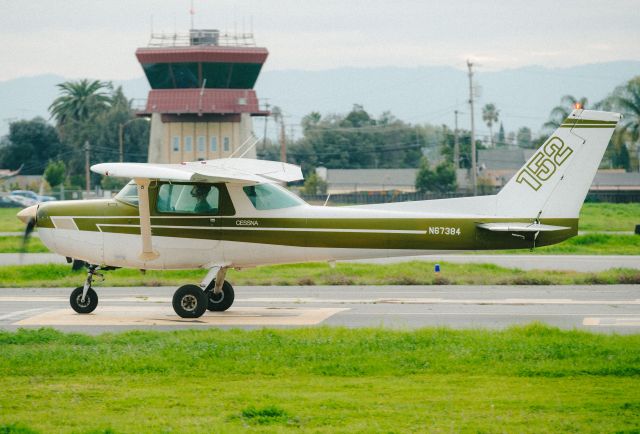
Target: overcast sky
[{"x": 80, "y": 38}]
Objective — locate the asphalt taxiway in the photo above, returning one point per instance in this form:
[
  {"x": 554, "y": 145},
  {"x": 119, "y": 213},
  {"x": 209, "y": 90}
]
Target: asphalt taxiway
[{"x": 606, "y": 308}]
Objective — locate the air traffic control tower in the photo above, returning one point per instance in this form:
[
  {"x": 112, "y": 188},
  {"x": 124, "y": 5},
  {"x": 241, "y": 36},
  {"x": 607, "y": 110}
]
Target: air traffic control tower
[{"x": 202, "y": 99}]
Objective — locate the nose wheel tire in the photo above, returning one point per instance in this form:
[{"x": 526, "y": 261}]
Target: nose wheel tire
[
  {"x": 87, "y": 305},
  {"x": 222, "y": 301},
  {"x": 189, "y": 301}
]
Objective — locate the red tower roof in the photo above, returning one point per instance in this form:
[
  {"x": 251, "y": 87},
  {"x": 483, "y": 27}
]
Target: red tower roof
[
  {"x": 196, "y": 101},
  {"x": 202, "y": 53}
]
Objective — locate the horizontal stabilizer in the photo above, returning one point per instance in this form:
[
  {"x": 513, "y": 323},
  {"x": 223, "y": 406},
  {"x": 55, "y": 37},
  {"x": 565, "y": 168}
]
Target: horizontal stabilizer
[{"x": 520, "y": 227}]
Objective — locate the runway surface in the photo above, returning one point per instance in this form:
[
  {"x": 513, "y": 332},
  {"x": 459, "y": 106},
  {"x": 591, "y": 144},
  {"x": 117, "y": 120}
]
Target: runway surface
[
  {"x": 611, "y": 308},
  {"x": 581, "y": 263}
]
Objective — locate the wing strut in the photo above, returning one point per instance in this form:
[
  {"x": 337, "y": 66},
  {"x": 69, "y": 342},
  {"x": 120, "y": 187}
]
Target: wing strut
[{"x": 145, "y": 220}]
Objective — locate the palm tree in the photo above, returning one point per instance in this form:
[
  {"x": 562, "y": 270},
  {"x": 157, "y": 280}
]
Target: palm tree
[
  {"x": 490, "y": 116},
  {"x": 626, "y": 100},
  {"x": 562, "y": 111},
  {"x": 80, "y": 101}
]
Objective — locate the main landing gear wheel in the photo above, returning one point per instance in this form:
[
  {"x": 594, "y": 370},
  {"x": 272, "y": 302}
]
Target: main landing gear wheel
[
  {"x": 189, "y": 301},
  {"x": 221, "y": 301},
  {"x": 87, "y": 305}
]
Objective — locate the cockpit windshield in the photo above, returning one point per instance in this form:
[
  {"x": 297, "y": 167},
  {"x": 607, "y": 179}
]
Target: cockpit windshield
[
  {"x": 270, "y": 196},
  {"x": 129, "y": 194}
]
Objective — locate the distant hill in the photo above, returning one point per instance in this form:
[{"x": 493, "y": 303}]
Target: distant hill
[{"x": 524, "y": 96}]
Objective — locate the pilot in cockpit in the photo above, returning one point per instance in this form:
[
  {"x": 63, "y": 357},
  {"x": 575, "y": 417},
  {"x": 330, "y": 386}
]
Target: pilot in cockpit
[{"x": 200, "y": 192}]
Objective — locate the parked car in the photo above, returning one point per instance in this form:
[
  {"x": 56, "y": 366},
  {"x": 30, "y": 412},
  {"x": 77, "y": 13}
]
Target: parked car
[
  {"x": 11, "y": 201},
  {"x": 33, "y": 196}
]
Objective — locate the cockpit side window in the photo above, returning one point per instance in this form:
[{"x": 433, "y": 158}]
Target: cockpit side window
[{"x": 201, "y": 199}]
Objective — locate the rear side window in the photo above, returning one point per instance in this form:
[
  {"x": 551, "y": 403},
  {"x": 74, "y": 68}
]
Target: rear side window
[
  {"x": 269, "y": 196},
  {"x": 188, "y": 199}
]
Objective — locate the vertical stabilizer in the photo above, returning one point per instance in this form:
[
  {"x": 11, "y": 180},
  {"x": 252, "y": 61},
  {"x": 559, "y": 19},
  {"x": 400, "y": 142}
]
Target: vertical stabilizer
[{"x": 556, "y": 179}]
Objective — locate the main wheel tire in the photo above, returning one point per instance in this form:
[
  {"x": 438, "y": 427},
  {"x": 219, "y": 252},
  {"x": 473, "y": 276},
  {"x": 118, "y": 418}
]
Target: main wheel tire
[
  {"x": 189, "y": 301},
  {"x": 220, "y": 302},
  {"x": 88, "y": 305}
]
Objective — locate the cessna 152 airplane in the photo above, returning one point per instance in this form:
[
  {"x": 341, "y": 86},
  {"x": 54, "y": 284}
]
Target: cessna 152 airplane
[{"x": 233, "y": 213}]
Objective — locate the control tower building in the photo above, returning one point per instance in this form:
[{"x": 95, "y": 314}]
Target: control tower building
[{"x": 202, "y": 99}]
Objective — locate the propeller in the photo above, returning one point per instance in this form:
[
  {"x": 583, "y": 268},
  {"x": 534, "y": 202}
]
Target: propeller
[
  {"x": 28, "y": 216},
  {"x": 28, "y": 230}
]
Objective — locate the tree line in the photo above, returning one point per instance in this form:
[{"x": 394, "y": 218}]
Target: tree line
[
  {"x": 93, "y": 111},
  {"x": 86, "y": 111}
]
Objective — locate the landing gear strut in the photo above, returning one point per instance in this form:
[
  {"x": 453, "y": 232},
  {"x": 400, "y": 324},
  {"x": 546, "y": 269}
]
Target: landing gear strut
[
  {"x": 84, "y": 299},
  {"x": 190, "y": 301}
]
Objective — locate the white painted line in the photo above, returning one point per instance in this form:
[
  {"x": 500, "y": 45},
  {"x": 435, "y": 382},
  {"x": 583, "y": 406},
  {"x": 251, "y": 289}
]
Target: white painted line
[
  {"x": 508, "y": 301},
  {"x": 19, "y": 312},
  {"x": 257, "y": 228},
  {"x": 612, "y": 321},
  {"x": 509, "y": 314}
]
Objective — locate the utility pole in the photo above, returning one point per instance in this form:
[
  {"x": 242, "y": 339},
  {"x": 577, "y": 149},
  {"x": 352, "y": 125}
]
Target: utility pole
[
  {"x": 283, "y": 143},
  {"x": 87, "y": 149},
  {"x": 121, "y": 140},
  {"x": 474, "y": 171},
  {"x": 456, "y": 144},
  {"x": 266, "y": 119}
]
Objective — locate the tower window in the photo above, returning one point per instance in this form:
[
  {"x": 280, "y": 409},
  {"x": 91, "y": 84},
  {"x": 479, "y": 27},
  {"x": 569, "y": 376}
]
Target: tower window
[
  {"x": 201, "y": 144},
  {"x": 188, "y": 144},
  {"x": 214, "y": 144},
  {"x": 225, "y": 144},
  {"x": 175, "y": 144}
]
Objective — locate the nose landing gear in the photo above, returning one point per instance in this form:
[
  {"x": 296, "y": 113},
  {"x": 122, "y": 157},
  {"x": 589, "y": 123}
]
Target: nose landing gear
[{"x": 84, "y": 299}]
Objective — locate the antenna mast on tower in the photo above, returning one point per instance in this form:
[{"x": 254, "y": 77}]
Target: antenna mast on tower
[{"x": 192, "y": 12}]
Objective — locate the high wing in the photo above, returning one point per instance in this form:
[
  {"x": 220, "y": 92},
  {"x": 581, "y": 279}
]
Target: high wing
[{"x": 233, "y": 170}]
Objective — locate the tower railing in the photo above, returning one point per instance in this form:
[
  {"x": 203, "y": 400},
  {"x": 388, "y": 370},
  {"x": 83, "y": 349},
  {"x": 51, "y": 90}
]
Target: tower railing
[{"x": 202, "y": 38}]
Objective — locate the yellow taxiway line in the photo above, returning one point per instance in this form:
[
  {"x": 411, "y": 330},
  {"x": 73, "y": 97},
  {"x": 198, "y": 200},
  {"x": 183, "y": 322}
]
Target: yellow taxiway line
[{"x": 147, "y": 315}]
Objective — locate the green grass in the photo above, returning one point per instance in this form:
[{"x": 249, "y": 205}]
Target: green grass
[
  {"x": 609, "y": 216},
  {"x": 588, "y": 244},
  {"x": 524, "y": 379},
  {"x": 409, "y": 273},
  {"x": 596, "y": 244},
  {"x": 14, "y": 245},
  {"x": 9, "y": 222}
]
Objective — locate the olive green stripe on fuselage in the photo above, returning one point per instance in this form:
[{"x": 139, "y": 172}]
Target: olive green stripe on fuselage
[
  {"x": 91, "y": 223},
  {"x": 588, "y": 121},
  {"x": 446, "y": 234},
  {"x": 586, "y": 126}
]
